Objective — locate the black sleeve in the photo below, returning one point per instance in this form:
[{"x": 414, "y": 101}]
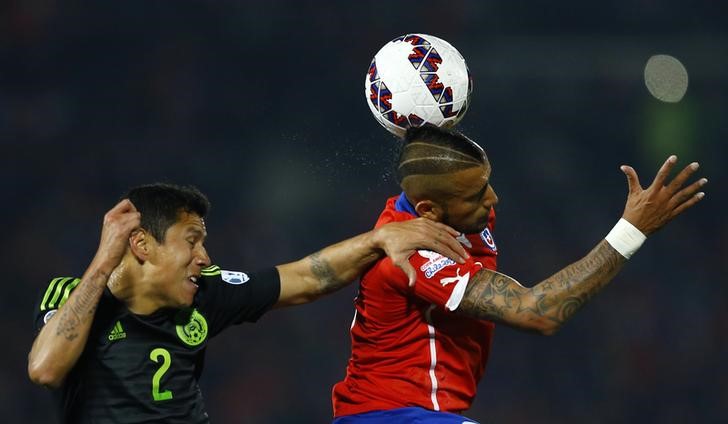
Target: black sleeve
[
  {"x": 232, "y": 297},
  {"x": 52, "y": 297}
]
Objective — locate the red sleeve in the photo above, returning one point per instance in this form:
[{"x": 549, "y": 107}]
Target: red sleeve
[{"x": 441, "y": 280}]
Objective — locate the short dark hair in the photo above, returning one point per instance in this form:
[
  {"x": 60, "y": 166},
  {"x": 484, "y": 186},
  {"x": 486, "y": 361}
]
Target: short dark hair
[
  {"x": 160, "y": 205},
  {"x": 431, "y": 150}
]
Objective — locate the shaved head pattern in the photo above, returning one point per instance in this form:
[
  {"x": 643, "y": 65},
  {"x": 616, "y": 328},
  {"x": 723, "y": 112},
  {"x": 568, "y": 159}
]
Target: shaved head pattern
[
  {"x": 430, "y": 150},
  {"x": 429, "y": 159}
]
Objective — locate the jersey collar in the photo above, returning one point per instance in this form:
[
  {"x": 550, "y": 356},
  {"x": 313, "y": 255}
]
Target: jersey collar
[{"x": 404, "y": 205}]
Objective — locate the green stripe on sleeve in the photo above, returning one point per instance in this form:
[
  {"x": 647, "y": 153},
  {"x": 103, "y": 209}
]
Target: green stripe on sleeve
[
  {"x": 57, "y": 292},
  {"x": 48, "y": 292},
  {"x": 211, "y": 271},
  {"x": 67, "y": 292}
]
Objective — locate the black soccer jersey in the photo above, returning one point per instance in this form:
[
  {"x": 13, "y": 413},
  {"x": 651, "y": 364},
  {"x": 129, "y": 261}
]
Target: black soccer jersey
[{"x": 144, "y": 369}]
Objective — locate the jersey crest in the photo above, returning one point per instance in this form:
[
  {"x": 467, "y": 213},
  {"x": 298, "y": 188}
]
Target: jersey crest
[
  {"x": 195, "y": 331},
  {"x": 488, "y": 239}
]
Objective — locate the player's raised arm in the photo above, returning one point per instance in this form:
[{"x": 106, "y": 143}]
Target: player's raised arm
[
  {"x": 335, "y": 266},
  {"x": 546, "y": 306},
  {"x": 61, "y": 341}
]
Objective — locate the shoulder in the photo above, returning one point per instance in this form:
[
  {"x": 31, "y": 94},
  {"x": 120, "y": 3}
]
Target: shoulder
[
  {"x": 215, "y": 279},
  {"x": 215, "y": 274},
  {"x": 231, "y": 297},
  {"x": 392, "y": 214},
  {"x": 52, "y": 296}
]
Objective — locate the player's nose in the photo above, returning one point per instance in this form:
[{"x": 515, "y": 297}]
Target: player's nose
[
  {"x": 202, "y": 258},
  {"x": 491, "y": 198}
]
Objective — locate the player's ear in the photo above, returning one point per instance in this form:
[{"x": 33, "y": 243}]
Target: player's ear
[
  {"x": 139, "y": 242},
  {"x": 429, "y": 209}
]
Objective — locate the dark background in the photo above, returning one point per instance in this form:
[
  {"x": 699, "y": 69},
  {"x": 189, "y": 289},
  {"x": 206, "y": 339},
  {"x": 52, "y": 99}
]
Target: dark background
[{"x": 260, "y": 104}]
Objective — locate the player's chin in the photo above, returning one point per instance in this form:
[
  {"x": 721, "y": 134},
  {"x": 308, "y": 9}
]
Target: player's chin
[
  {"x": 187, "y": 295},
  {"x": 475, "y": 228},
  {"x": 185, "y": 301}
]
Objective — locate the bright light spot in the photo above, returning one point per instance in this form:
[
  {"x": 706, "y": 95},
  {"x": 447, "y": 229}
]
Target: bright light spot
[{"x": 666, "y": 78}]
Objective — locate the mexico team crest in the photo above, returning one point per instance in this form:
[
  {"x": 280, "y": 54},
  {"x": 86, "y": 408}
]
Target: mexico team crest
[{"x": 195, "y": 331}]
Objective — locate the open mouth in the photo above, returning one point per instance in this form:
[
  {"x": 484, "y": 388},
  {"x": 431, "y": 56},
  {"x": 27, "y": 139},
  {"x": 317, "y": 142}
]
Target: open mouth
[{"x": 193, "y": 280}]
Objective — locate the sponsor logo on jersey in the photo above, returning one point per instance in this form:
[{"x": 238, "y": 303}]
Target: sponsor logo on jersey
[
  {"x": 49, "y": 315},
  {"x": 435, "y": 262},
  {"x": 488, "y": 239},
  {"x": 457, "y": 279},
  {"x": 195, "y": 331},
  {"x": 464, "y": 241},
  {"x": 117, "y": 332},
  {"x": 234, "y": 277}
]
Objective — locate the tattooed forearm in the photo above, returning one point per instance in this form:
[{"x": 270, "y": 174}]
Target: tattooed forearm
[
  {"x": 67, "y": 324},
  {"x": 546, "y": 306},
  {"x": 578, "y": 283},
  {"x": 328, "y": 281},
  {"x": 62, "y": 340},
  {"x": 80, "y": 307}
]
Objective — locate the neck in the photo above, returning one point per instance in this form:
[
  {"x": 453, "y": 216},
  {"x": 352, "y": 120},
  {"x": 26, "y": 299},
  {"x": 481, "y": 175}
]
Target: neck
[{"x": 125, "y": 286}]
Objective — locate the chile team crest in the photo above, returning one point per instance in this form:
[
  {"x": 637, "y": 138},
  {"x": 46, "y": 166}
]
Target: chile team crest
[{"x": 488, "y": 239}]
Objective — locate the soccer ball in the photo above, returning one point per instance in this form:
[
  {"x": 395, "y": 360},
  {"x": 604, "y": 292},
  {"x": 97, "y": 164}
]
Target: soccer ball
[{"x": 417, "y": 79}]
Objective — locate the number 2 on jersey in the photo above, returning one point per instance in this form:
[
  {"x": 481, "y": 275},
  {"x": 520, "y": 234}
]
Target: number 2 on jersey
[{"x": 166, "y": 362}]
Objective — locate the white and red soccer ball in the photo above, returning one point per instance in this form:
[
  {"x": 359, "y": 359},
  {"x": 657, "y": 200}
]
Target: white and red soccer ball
[{"x": 417, "y": 79}]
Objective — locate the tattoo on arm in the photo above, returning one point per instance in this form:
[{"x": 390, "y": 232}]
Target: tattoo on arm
[
  {"x": 491, "y": 295},
  {"x": 80, "y": 307},
  {"x": 327, "y": 279},
  {"x": 494, "y": 296}
]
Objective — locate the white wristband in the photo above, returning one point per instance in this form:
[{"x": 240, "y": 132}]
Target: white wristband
[{"x": 625, "y": 238}]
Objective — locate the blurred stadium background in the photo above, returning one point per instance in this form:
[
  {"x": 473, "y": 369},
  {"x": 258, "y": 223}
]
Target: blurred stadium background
[{"x": 261, "y": 105}]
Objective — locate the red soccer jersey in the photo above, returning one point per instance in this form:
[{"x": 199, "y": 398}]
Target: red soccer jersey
[{"x": 408, "y": 347}]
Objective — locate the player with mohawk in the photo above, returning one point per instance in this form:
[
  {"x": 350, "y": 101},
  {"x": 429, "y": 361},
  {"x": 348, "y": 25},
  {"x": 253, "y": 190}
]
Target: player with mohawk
[{"x": 419, "y": 351}]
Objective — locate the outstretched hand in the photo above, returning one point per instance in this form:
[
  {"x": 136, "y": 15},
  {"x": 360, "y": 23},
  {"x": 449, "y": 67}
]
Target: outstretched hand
[
  {"x": 400, "y": 239},
  {"x": 651, "y": 208},
  {"x": 119, "y": 223}
]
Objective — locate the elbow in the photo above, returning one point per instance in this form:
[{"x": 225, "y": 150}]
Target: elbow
[
  {"x": 44, "y": 375},
  {"x": 545, "y": 326},
  {"x": 549, "y": 330}
]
